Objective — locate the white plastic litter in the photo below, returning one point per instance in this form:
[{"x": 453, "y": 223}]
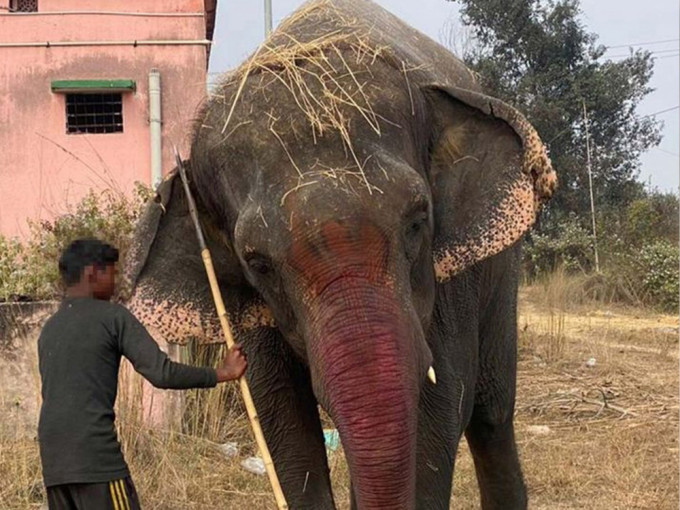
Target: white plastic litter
[
  {"x": 332, "y": 439},
  {"x": 538, "y": 430},
  {"x": 254, "y": 465},
  {"x": 229, "y": 450},
  {"x": 591, "y": 362}
]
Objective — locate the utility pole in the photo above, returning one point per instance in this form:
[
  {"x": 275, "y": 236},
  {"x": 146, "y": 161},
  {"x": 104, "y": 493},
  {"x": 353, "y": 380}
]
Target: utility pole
[
  {"x": 590, "y": 182},
  {"x": 267, "y": 17}
]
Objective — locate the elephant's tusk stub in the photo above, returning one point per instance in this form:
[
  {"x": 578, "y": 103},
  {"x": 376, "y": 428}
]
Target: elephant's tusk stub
[{"x": 431, "y": 375}]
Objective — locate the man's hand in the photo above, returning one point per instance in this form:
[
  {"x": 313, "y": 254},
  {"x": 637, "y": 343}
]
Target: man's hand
[{"x": 233, "y": 365}]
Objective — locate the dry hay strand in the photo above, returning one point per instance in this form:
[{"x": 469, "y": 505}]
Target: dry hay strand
[
  {"x": 326, "y": 77},
  {"x": 610, "y": 438},
  {"x": 578, "y": 396},
  {"x": 600, "y": 436}
]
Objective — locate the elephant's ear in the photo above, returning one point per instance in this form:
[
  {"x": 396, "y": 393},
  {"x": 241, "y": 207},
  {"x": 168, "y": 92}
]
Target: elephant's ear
[
  {"x": 145, "y": 234},
  {"x": 489, "y": 173},
  {"x": 166, "y": 284}
]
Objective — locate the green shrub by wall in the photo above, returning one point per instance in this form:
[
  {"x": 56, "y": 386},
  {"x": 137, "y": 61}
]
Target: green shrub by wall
[{"x": 29, "y": 270}]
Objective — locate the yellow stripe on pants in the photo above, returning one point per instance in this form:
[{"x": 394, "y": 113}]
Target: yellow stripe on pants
[
  {"x": 113, "y": 496},
  {"x": 122, "y": 495}
]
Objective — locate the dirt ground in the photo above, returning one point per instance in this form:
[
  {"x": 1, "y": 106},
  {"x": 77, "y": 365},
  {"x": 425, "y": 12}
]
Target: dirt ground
[
  {"x": 596, "y": 419},
  {"x": 597, "y": 407}
]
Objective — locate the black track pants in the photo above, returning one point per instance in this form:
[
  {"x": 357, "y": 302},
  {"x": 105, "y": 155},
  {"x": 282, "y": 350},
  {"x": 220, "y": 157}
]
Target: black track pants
[{"x": 115, "y": 495}]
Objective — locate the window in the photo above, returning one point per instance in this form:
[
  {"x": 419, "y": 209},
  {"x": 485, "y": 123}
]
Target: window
[
  {"x": 94, "y": 113},
  {"x": 23, "y": 5}
]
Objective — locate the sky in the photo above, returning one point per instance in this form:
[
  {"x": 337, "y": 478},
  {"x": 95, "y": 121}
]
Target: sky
[{"x": 621, "y": 23}]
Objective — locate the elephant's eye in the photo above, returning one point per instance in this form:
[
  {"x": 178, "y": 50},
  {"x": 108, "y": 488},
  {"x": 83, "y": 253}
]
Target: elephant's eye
[
  {"x": 413, "y": 237},
  {"x": 416, "y": 226},
  {"x": 259, "y": 265},
  {"x": 417, "y": 223}
]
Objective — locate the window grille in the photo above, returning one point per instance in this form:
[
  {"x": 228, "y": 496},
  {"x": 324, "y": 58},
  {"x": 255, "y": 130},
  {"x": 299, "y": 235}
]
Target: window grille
[
  {"x": 94, "y": 113},
  {"x": 23, "y": 6}
]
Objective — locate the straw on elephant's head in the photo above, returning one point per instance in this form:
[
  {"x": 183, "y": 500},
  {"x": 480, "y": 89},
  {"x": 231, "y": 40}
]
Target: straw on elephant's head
[{"x": 327, "y": 78}]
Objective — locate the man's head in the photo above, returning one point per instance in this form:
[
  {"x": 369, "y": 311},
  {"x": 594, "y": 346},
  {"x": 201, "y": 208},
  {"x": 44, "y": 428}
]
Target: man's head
[{"x": 88, "y": 268}]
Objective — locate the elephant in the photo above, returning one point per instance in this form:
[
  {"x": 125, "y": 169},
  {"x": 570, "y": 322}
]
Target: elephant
[{"x": 364, "y": 203}]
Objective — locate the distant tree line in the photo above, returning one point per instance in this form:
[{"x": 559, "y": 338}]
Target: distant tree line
[{"x": 538, "y": 56}]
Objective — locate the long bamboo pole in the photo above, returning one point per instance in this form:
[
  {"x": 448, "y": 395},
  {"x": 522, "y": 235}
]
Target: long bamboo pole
[{"x": 226, "y": 329}]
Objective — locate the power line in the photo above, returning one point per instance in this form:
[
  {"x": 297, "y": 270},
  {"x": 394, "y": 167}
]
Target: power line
[
  {"x": 648, "y": 43},
  {"x": 558, "y": 135},
  {"x": 665, "y": 51},
  {"x": 668, "y": 152},
  {"x": 660, "y": 111},
  {"x": 570, "y": 128},
  {"x": 621, "y": 58},
  {"x": 631, "y": 54},
  {"x": 666, "y": 56}
]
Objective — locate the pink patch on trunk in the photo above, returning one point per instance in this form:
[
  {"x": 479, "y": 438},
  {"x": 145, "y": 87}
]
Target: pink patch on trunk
[{"x": 362, "y": 355}]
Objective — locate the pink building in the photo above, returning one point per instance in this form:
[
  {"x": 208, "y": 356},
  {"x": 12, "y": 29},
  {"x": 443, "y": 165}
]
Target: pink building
[{"x": 93, "y": 93}]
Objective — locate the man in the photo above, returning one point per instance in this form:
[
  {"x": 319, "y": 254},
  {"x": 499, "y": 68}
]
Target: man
[{"x": 79, "y": 353}]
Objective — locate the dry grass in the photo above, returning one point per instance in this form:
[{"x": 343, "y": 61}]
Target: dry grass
[
  {"x": 185, "y": 469},
  {"x": 611, "y": 440}
]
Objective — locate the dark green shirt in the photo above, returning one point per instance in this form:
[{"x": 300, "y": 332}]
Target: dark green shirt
[{"x": 79, "y": 353}]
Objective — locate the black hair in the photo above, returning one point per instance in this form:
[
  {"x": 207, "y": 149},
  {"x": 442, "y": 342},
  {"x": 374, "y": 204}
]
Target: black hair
[{"x": 82, "y": 253}]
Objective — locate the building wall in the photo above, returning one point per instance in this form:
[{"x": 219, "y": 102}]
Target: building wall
[
  {"x": 120, "y": 5},
  {"x": 43, "y": 170}
]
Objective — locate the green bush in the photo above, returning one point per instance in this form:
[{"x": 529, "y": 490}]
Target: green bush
[
  {"x": 653, "y": 217},
  {"x": 637, "y": 246},
  {"x": 657, "y": 264},
  {"x": 570, "y": 248},
  {"x": 12, "y": 273},
  {"x": 639, "y": 252},
  {"x": 647, "y": 276},
  {"x": 29, "y": 270}
]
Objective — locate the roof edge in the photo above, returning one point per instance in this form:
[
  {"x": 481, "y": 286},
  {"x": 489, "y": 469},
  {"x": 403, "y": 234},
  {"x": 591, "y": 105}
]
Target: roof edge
[{"x": 210, "y": 14}]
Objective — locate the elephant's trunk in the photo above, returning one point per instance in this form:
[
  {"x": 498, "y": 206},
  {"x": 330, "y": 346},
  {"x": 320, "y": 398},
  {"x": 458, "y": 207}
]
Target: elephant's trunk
[{"x": 367, "y": 372}]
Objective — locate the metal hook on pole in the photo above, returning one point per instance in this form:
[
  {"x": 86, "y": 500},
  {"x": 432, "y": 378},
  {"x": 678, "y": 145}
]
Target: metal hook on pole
[{"x": 229, "y": 338}]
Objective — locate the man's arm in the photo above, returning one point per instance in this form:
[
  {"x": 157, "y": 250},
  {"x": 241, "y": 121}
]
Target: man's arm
[{"x": 148, "y": 359}]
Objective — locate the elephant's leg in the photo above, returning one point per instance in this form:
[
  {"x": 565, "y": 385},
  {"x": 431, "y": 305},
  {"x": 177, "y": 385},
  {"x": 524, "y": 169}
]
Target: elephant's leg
[
  {"x": 490, "y": 432},
  {"x": 281, "y": 389},
  {"x": 496, "y": 462},
  {"x": 445, "y": 407}
]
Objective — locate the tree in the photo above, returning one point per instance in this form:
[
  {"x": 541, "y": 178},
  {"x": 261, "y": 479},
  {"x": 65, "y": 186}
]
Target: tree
[
  {"x": 538, "y": 56},
  {"x": 654, "y": 217}
]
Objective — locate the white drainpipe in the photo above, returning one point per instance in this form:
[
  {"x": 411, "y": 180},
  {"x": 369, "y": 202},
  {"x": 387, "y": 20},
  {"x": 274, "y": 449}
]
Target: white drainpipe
[{"x": 155, "y": 127}]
